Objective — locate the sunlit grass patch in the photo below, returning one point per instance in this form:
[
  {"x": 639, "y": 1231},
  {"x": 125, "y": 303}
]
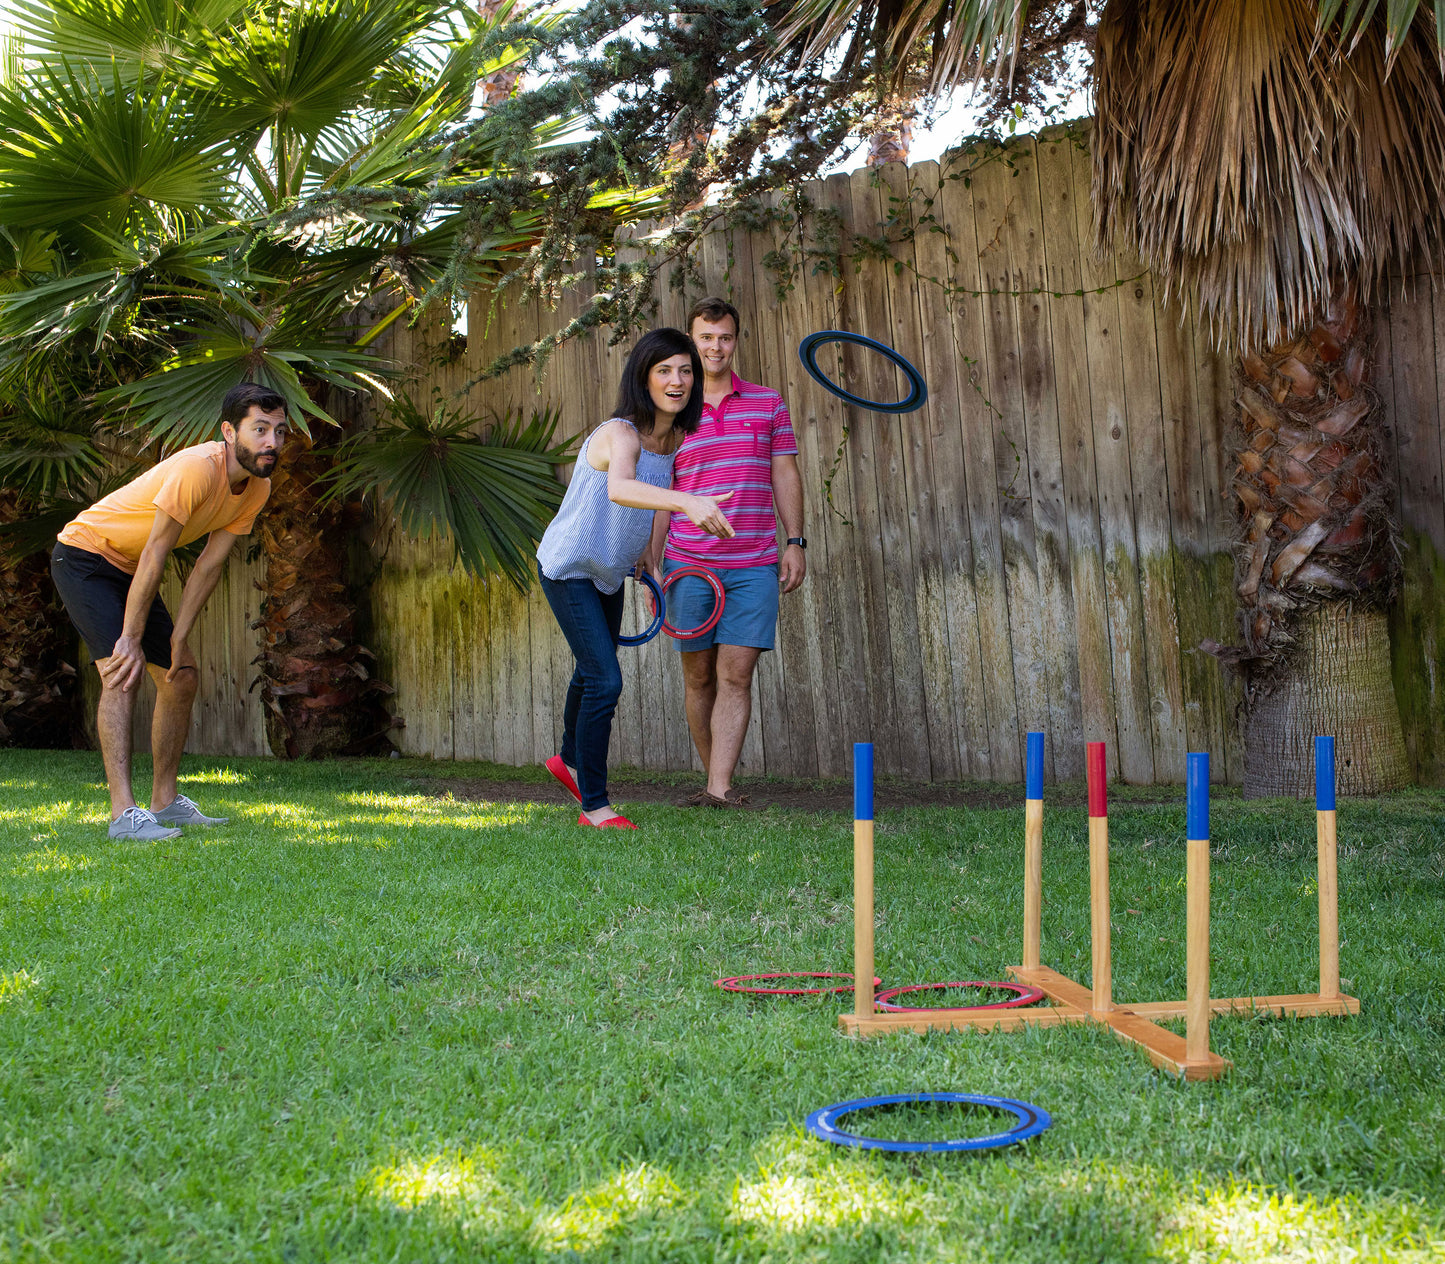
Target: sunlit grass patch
[
  {"x": 16, "y": 984},
  {"x": 51, "y": 860},
  {"x": 453, "y": 1180},
  {"x": 825, "y": 1196},
  {"x": 401, "y": 809},
  {"x": 215, "y": 777},
  {"x": 1241, "y": 1222},
  {"x": 588, "y": 1218}
]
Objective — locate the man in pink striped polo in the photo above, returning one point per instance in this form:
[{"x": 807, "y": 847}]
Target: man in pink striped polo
[{"x": 745, "y": 445}]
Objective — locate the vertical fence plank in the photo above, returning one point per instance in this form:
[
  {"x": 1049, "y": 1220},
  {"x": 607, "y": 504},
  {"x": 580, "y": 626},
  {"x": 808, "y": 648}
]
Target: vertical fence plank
[
  {"x": 996, "y": 195},
  {"x": 1417, "y": 329},
  {"x": 1148, "y": 466},
  {"x": 1197, "y": 568},
  {"x": 1089, "y": 625},
  {"x": 947, "y": 611},
  {"x": 1116, "y": 495},
  {"x": 998, "y": 759},
  {"x": 820, "y": 419},
  {"x": 1064, "y": 755}
]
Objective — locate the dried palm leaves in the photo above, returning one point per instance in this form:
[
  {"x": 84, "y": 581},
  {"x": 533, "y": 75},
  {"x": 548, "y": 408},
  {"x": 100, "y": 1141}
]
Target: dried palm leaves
[{"x": 1255, "y": 165}]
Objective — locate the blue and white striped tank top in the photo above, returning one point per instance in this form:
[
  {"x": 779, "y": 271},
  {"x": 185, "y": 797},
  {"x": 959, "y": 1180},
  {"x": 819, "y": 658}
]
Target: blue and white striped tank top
[{"x": 591, "y": 538}]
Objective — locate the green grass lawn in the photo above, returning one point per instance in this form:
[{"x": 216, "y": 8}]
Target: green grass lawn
[{"x": 366, "y": 1023}]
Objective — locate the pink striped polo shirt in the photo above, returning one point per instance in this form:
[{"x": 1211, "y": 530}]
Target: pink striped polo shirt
[{"x": 733, "y": 450}]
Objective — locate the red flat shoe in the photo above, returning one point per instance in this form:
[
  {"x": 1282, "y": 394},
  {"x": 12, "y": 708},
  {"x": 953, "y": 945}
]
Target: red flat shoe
[
  {"x": 559, "y": 770},
  {"x": 615, "y": 822}
]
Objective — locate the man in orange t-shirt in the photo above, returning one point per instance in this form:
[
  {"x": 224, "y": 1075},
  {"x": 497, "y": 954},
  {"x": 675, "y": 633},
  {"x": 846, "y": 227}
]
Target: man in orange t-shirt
[{"x": 107, "y": 565}]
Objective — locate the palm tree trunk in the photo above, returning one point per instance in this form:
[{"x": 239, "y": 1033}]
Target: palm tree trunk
[
  {"x": 1316, "y": 564},
  {"x": 320, "y": 696},
  {"x": 37, "y": 648},
  {"x": 892, "y": 141}
]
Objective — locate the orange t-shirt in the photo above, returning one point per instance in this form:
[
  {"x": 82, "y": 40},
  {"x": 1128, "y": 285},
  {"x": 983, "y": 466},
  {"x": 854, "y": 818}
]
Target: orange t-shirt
[{"x": 190, "y": 486}]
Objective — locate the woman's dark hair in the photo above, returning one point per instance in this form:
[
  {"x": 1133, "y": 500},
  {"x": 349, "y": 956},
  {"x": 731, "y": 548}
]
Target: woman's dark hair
[{"x": 634, "y": 400}]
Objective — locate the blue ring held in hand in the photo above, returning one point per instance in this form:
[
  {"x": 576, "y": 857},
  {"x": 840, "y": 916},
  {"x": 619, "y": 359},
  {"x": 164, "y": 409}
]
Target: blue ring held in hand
[
  {"x": 808, "y": 354},
  {"x": 1031, "y": 1121},
  {"x": 659, "y": 613}
]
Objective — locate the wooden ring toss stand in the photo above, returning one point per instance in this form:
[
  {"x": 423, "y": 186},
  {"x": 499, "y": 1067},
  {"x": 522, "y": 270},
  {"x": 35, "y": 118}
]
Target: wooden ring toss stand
[{"x": 1186, "y": 1055}]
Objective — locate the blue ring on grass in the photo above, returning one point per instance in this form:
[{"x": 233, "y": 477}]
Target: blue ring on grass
[
  {"x": 1031, "y": 1121},
  {"x": 659, "y": 613},
  {"x": 917, "y": 388}
]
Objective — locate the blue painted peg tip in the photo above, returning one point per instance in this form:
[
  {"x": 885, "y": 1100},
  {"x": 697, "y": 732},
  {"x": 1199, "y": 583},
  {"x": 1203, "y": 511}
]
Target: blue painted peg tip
[
  {"x": 1034, "y": 778},
  {"x": 1196, "y": 782},
  {"x": 862, "y": 781},
  {"x": 1325, "y": 774}
]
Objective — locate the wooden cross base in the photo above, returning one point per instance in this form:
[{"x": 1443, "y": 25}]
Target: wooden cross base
[{"x": 1072, "y": 1003}]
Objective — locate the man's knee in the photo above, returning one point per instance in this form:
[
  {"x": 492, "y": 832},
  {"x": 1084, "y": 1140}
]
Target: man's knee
[
  {"x": 736, "y": 673},
  {"x": 182, "y": 687},
  {"x": 699, "y": 668}
]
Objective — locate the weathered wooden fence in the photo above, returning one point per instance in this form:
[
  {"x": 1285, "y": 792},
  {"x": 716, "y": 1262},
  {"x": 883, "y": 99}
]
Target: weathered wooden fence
[{"x": 1040, "y": 547}]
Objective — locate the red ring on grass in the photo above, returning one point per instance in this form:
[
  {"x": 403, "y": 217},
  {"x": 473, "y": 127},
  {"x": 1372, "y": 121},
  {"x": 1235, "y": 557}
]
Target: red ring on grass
[
  {"x": 708, "y": 624},
  {"x": 729, "y": 985},
  {"x": 1026, "y": 996}
]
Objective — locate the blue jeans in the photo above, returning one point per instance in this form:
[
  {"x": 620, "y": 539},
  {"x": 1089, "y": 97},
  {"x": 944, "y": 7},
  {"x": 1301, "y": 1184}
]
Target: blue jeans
[{"x": 591, "y": 621}]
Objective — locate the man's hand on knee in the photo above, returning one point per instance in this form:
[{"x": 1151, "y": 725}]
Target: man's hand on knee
[
  {"x": 182, "y": 660},
  {"x": 123, "y": 667}
]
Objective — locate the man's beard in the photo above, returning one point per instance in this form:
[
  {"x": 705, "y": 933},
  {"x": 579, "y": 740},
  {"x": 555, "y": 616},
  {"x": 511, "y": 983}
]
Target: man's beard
[{"x": 254, "y": 462}]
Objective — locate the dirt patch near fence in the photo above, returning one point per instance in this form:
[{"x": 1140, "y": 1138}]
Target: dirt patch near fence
[{"x": 800, "y": 796}]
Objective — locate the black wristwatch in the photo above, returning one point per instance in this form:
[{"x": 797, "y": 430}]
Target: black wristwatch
[{"x": 798, "y": 540}]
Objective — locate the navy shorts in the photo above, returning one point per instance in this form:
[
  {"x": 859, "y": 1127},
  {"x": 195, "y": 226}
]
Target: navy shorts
[
  {"x": 750, "y": 606},
  {"x": 94, "y": 593}
]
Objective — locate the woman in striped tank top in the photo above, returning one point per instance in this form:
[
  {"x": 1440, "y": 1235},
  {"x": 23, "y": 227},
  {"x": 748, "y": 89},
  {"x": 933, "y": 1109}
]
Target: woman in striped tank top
[{"x": 602, "y": 531}]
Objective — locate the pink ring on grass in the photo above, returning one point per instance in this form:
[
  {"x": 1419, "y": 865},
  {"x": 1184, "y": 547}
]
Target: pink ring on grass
[
  {"x": 1026, "y": 996},
  {"x": 730, "y": 985}
]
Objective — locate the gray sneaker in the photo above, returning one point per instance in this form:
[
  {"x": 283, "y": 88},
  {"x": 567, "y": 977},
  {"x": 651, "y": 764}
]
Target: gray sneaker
[
  {"x": 141, "y": 826},
  {"x": 184, "y": 812}
]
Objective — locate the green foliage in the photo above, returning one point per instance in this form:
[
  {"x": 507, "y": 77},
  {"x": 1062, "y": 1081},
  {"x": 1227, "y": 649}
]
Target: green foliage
[
  {"x": 491, "y": 494},
  {"x": 390, "y": 1013},
  {"x": 152, "y": 155}
]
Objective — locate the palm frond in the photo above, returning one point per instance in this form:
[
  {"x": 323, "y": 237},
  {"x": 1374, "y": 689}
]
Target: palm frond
[
  {"x": 27, "y": 255},
  {"x": 180, "y": 402},
  {"x": 49, "y": 512},
  {"x": 144, "y": 294},
  {"x": 491, "y": 495},
  {"x": 46, "y": 449},
  {"x": 139, "y": 37},
  {"x": 1254, "y": 167},
  {"x": 299, "y": 68},
  {"x": 82, "y": 146}
]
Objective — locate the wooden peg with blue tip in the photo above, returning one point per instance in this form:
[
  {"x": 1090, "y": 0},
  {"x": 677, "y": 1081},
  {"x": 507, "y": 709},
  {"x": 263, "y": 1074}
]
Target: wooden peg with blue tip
[
  {"x": 1327, "y": 864},
  {"x": 1196, "y": 1017},
  {"x": 1033, "y": 849},
  {"x": 863, "y": 992}
]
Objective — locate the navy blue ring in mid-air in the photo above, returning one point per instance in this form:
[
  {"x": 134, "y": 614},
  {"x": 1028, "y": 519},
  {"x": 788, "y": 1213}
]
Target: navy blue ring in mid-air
[
  {"x": 659, "y": 613},
  {"x": 917, "y": 387},
  {"x": 1031, "y": 1121}
]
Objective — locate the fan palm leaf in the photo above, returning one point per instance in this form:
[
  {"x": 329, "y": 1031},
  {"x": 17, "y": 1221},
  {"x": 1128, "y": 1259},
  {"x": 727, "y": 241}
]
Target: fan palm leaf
[
  {"x": 491, "y": 495},
  {"x": 77, "y": 145},
  {"x": 139, "y": 37},
  {"x": 179, "y": 403}
]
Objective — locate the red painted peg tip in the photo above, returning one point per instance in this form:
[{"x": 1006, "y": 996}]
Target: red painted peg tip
[{"x": 1098, "y": 781}]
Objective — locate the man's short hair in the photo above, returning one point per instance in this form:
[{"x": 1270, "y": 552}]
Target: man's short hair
[
  {"x": 714, "y": 309},
  {"x": 240, "y": 399}
]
